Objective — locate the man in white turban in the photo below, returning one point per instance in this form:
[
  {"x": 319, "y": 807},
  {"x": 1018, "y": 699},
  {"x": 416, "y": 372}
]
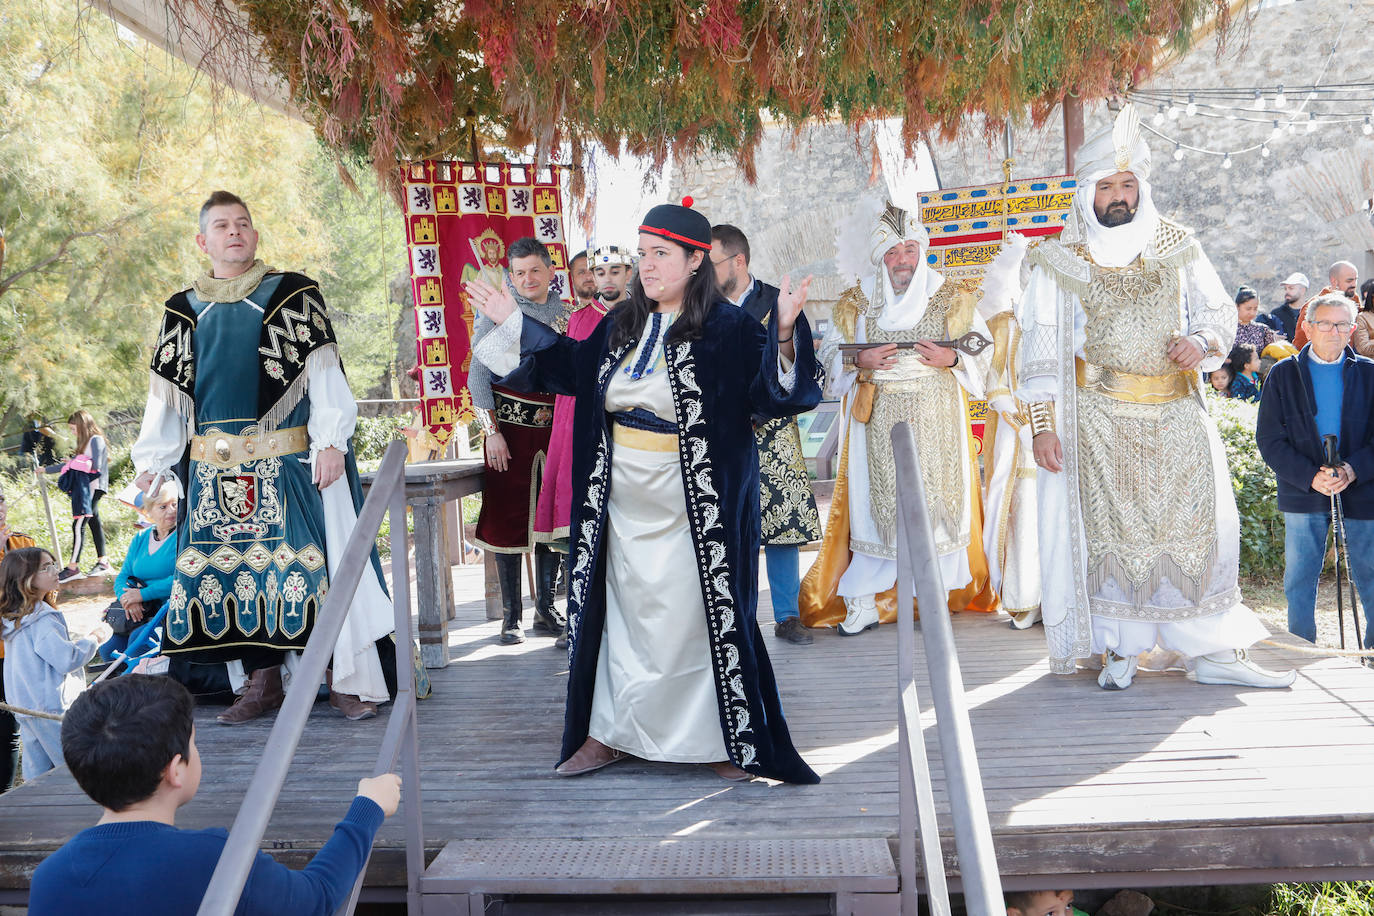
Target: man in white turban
[
  {"x": 1139, "y": 536},
  {"x": 927, "y": 385}
]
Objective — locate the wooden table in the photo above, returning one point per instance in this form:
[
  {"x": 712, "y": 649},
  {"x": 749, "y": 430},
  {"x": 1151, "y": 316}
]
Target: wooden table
[{"x": 429, "y": 485}]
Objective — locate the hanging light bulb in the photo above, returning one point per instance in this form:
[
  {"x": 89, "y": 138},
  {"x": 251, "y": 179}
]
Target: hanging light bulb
[
  {"x": 1278, "y": 131},
  {"x": 1226, "y": 163},
  {"x": 1280, "y": 100},
  {"x": 1259, "y": 100},
  {"x": 1192, "y": 105},
  {"x": 1367, "y": 128},
  {"x": 1264, "y": 150},
  {"x": 1292, "y": 128},
  {"x": 1178, "y": 152},
  {"x": 1158, "y": 119},
  {"x": 1311, "y": 121},
  {"x": 1174, "y": 111}
]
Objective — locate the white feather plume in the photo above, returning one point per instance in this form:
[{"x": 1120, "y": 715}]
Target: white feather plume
[
  {"x": 1002, "y": 278},
  {"x": 852, "y": 234},
  {"x": 1126, "y": 130}
]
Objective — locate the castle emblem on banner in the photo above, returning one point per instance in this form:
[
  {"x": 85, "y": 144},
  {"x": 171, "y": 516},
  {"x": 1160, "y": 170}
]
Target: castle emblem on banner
[{"x": 460, "y": 219}]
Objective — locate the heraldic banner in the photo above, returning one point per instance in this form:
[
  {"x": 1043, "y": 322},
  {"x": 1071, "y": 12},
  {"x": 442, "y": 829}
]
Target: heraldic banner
[
  {"x": 968, "y": 225},
  {"x": 460, "y": 219}
]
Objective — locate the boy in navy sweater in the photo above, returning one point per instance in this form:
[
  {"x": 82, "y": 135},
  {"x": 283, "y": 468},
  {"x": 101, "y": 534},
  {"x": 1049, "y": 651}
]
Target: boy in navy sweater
[{"x": 130, "y": 743}]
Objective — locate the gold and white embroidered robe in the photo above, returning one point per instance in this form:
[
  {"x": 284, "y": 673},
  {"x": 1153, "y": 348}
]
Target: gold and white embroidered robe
[
  {"x": 1010, "y": 538},
  {"x": 935, "y": 402},
  {"x": 1139, "y": 534}
]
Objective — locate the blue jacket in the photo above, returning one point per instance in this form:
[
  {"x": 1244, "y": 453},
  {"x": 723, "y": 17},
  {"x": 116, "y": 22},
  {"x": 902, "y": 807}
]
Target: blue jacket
[
  {"x": 156, "y": 570},
  {"x": 1287, "y": 434}
]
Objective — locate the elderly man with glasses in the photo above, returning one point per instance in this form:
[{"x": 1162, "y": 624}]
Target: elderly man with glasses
[{"x": 1327, "y": 389}]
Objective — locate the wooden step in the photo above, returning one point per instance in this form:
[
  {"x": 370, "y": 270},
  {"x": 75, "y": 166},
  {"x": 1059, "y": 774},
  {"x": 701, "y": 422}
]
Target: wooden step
[{"x": 663, "y": 866}]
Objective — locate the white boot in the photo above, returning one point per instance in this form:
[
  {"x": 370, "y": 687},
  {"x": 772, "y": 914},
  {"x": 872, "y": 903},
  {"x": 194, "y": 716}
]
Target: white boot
[
  {"x": 863, "y": 615},
  {"x": 1233, "y": 666},
  {"x": 1117, "y": 672}
]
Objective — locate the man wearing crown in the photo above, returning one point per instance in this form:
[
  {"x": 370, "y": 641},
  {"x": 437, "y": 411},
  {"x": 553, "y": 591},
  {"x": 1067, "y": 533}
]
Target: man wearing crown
[
  {"x": 1138, "y": 530},
  {"x": 926, "y": 384}
]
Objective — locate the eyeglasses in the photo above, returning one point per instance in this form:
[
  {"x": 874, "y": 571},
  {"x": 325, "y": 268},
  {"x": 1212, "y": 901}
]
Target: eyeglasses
[
  {"x": 49, "y": 567},
  {"x": 728, "y": 257},
  {"x": 1328, "y": 326}
]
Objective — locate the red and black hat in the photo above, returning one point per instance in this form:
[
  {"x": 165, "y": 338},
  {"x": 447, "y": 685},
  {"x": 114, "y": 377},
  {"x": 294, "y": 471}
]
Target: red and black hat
[{"x": 681, "y": 224}]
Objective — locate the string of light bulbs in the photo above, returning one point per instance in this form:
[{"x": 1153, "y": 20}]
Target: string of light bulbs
[{"x": 1341, "y": 103}]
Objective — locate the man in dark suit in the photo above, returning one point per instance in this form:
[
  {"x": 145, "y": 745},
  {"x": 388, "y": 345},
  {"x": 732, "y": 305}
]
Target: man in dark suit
[
  {"x": 1327, "y": 389},
  {"x": 789, "y": 513}
]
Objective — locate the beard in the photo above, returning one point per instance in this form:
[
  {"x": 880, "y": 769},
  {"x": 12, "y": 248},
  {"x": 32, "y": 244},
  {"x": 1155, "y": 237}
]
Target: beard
[
  {"x": 1116, "y": 214},
  {"x": 901, "y": 279}
]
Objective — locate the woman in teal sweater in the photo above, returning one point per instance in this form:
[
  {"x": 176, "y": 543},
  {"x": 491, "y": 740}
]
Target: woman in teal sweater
[{"x": 151, "y": 560}]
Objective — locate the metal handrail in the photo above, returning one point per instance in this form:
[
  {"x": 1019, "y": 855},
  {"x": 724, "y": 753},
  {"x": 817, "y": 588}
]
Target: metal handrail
[
  {"x": 918, "y": 570},
  {"x": 235, "y": 862}
]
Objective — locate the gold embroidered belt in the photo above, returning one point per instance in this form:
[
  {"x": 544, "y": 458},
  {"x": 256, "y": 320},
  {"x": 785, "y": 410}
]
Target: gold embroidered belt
[
  {"x": 1137, "y": 389},
  {"x": 643, "y": 439},
  {"x": 225, "y": 451}
]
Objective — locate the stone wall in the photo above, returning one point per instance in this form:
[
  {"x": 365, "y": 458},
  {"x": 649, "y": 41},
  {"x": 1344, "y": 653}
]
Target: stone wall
[
  {"x": 805, "y": 185},
  {"x": 1254, "y": 223}
]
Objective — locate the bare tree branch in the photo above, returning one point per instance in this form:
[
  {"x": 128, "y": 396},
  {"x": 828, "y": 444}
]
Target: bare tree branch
[
  {"x": 59, "y": 254},
  {"x": 7, "y": 282}
]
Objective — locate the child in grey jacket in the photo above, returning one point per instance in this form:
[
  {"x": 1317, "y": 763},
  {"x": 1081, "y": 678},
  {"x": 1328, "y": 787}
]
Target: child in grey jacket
[{"x": 43, "y": 665}]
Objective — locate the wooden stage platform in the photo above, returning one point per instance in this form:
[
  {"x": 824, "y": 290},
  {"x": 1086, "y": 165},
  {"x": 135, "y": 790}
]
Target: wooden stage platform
[{"x": 1167, "y": 783}]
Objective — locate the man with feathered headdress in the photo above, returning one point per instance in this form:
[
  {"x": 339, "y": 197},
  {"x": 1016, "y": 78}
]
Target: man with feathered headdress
[
  {"x": 903, "y": 300},
  {"x": 1138, "y": 530}
]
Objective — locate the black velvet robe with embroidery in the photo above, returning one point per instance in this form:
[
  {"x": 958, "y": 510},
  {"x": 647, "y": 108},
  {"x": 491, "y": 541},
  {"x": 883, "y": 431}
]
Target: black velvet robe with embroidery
[{"x": 719, "y": 383}]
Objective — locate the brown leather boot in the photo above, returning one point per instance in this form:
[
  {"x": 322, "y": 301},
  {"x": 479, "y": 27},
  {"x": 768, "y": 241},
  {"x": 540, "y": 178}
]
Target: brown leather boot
[
  {"x": 352, "y": 706},
  {"x": 264, "y": 694}
]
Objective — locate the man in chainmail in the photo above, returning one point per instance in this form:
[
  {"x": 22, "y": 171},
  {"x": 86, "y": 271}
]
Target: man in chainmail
[
  {"x": 516, "y": 427},
  {"x": 1138, "y": 530}
]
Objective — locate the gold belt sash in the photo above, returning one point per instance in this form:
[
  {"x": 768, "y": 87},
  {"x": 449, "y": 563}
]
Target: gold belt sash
[
  {"x": 225, "y": 451},
  {"x": 1137, "y": 389},
  {"x": 643, "y": 439}
]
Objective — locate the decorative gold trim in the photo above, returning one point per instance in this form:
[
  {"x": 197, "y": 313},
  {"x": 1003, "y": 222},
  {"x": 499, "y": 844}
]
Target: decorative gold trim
[
  {"x": 1134, "y": 389},
  {"x": 1041, "y": 417},
  {"x": 222, "y": 450},
  {"x": 643, "y": 439}
]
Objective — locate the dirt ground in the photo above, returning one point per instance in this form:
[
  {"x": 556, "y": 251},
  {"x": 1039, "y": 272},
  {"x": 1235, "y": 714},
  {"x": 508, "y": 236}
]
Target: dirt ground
[{"x": 1265, "y": 597}]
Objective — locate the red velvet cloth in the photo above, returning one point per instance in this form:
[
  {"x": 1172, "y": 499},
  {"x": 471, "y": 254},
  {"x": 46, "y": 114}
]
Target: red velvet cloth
[
  {"x": 555, "y": 495},
  {"x": 506, "y": 523}
]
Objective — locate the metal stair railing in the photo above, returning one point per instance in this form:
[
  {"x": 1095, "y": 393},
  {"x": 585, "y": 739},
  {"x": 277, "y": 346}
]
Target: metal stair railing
[
  {"x": 401, "y": 738},
  {"x": 918, "y": 568}
]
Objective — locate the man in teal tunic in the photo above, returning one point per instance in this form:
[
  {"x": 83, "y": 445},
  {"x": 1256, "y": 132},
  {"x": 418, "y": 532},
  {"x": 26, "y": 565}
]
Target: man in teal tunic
[{"x": 249, "y": 408}]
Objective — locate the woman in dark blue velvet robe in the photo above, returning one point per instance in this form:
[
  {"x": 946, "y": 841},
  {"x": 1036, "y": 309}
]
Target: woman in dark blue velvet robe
[{"x": 723, "y": 370}]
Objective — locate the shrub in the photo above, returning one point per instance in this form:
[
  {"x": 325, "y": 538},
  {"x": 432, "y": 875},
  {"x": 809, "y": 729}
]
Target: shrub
[
  {"x": 1261, "y": 522},
  {"x": 373, "y": 435}
]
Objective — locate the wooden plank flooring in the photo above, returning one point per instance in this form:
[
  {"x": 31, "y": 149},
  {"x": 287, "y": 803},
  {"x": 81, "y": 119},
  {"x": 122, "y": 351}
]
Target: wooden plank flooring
[{"x": 1186, "y": 781}]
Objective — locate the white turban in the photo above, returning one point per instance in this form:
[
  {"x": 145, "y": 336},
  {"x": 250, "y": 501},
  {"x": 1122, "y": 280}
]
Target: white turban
[
  {"x": 893, "y": 227},
  {"x": 1119, "y": 148}
]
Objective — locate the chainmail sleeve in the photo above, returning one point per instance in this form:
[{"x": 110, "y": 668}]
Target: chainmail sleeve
[
  {"x": 479, "y": 376},
  {"x": 1211, "y": 311}
]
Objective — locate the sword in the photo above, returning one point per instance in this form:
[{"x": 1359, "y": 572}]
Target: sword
[{"x": 971, "y": 343}]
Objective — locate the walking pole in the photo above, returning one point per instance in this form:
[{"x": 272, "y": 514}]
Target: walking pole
[
  {"x": 1333, "y": 461},
  {"x": 47, "y": 509},
  {"x": 1343, "y": 557}
]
